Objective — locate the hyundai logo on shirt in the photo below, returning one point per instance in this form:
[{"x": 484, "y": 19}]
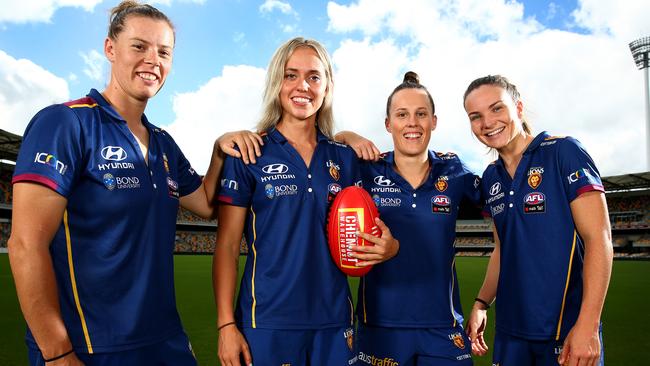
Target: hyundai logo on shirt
[
  {"x": 114, "y": 153},
  {"x": 275, "y": 169}
]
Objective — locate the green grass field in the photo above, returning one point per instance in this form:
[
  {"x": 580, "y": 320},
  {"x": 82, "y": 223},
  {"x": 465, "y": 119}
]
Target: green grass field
[{"x": 625, "y": 314}]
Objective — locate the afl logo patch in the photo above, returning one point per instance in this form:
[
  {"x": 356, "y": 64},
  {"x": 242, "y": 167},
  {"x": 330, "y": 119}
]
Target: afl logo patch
[
  {"x": 535, "y": 202},
  {"x": 109, "y": 181},
  {"x": 440, "y": 204},
  {"x": 332, "y": 190}
]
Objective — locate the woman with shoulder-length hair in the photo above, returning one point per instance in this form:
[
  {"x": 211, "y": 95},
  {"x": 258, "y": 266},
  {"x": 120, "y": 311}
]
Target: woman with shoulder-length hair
[
  {"x": 552, "y": 261},
  {"x": 96, "y": 193},
  {"x": 294, "y": 304}
]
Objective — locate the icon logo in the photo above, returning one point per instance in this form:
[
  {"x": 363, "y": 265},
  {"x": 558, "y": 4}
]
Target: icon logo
[{"x": 114, "y": 153}]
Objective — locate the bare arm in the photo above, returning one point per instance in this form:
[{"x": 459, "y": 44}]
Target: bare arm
[
  {"x": 224, "y": 278},
  {"x": 202, "y": 201},
  {"x": 582, "y": 345},
  {"x": 37, "y": 215},
  {"x": 364, "y": 148},
  {"x": 478, "y": 318}
]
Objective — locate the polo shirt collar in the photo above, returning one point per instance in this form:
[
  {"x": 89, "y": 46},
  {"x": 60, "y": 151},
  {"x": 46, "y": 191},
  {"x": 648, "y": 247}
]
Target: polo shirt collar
[
  {"x": 108, "y": 108},
  {"x": 531, "y": 147},
  {"x": 279, "y": 138}
]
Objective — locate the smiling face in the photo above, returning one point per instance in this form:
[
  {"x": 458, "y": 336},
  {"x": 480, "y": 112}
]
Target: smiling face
[
  {"x": 410, "y": 121},
  {"x": 140, "y": 57},
  {"x": 304, "y": 85},
  {"x": 495, "y": 118}
]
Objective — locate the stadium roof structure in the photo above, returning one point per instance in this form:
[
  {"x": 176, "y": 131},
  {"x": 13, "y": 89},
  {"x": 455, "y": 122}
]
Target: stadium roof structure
[
  {"x": 9, "y": 145},
  {"x": 627, "y": 182}
]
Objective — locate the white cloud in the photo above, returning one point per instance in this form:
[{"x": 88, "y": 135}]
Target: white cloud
[
  {"x": 95, "y": 63},
  {"x": 39, "y": 10},
  {"x": 270, "y": 5},
  {"x": 25, "y": 88},
  {"x": 624, "y": 20},
  {"x": 575, "y": 84},
  {"x": 228, "y": 102}
]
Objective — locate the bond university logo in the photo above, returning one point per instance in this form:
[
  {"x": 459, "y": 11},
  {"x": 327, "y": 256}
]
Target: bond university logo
[
  {"x": 113, "y": 153},
  {"x": 109, "y": 181},
  {"x": 269, "y": 191}
]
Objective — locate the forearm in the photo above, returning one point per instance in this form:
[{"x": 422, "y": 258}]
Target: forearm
[
  {"x": 596, "y": 275},
  {"x": 224, "y": 278},
  {"x": 38, "y": 297},
  {"x": 488, "y": 291}
]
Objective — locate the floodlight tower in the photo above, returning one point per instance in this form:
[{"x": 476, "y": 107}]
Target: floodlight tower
[{"x": 641, "y": 53}]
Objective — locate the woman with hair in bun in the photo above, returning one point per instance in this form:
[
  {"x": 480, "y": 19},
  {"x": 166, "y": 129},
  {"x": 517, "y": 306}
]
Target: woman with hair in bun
[
  {"x": 408, "y": 309},
  {"x": 294, "y": 304},
  {"x": 552, "y": 261},
  {"x": 96, "y": 193}
]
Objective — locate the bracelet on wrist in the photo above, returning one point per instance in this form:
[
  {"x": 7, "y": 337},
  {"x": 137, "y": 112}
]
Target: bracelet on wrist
[
  {"x": 485, "y": 303},
  {"x": 225, "y": 325},
  {"x": 51, "y": 359}
]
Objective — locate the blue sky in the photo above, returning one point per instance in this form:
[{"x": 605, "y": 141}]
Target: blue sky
[{"x": 569, "y": 58}]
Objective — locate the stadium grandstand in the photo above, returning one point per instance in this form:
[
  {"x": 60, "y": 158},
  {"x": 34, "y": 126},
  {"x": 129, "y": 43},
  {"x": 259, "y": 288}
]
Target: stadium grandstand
[{"x": 628, "y": 199}]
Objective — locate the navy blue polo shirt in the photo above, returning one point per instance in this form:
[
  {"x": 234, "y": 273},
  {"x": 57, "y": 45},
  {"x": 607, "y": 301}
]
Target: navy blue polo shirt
[
  {"x": 418, "y": 288},
  {"x": 112, "y": 254},
  {"x": 290, "y": 280},
  {"x": 540, "y": 279}
]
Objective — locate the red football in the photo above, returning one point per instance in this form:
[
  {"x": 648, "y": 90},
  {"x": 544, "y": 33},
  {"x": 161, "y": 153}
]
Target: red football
[{"x": 352, "y": 210}]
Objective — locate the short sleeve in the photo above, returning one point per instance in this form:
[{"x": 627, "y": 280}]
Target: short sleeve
[
  {"x": 578, "y": 171},
  {"x": 237, "y": 183},
  {"x": 51, "y": 152},
  {"x": 472, "y": 186},
  {"x": 188, "y": 180}
]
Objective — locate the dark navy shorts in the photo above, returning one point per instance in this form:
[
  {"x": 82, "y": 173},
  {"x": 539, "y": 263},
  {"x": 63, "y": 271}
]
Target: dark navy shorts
[
  {"x": 176, "y": 351},
  {"x": 510, "y": 350},
  {"x": 331, "y": 346},
  {"x": 413, "y": 346}
]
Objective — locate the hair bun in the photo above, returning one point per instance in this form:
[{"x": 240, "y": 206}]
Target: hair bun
[{"x": 412, "y": 78}]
